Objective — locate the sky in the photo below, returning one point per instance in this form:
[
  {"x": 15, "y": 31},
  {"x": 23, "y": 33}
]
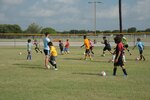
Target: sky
[{"x": 64, "y": 15}]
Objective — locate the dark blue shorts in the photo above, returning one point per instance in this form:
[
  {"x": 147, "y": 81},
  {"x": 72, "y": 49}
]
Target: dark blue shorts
[
  {"x": 46, "y": 52},
  {"x": 119, "y": 63}
]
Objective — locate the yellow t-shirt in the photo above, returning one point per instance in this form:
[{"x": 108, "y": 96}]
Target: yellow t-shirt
[
  {"x": 87, "y": 43},
  {"x": 53, "y": 51}
]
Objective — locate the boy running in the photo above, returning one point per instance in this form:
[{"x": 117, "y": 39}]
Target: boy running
[
  {"x": 87, "y": 48},
  {"x": 91, "y": 47},
  {"x": 36, "y": 46},
  {"x": 107, "y": 46},
  {"x": 119, "y": 55},
  {"x": 140, "y": 46},
  {"x": 53, "y": 55}
]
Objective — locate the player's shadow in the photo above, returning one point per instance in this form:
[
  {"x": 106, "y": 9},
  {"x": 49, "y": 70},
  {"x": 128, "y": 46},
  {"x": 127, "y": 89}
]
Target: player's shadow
[
  {"x": 71, "y": 59},
  {"x": 31, "y": 66},
  {"x": 94, "y": 74}
]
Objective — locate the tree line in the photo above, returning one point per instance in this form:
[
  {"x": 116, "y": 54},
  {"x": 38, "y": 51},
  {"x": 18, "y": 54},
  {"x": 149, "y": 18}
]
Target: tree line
[{"x": 35, "y": 29}]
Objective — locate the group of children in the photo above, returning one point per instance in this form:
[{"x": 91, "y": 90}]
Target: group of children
[
  {"x": 118, "y": 54},
  {"x": 61, "y": 47}
]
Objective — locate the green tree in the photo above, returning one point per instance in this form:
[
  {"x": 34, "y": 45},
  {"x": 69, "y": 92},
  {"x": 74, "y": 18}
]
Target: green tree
[
  {"x": 48, "y": 29},
  {"x": 132, "y": 30},
  {"x": 33, "y": 28},
  {"x": 7, "y": 28},
  {"x": 147, "y": 30}
]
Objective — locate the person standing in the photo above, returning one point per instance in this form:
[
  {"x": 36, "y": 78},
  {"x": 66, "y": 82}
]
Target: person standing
[
  {"x": 29, "y": 46},
  {"x": 46, "y": 50},
  {"x": 119, "y": 56}
]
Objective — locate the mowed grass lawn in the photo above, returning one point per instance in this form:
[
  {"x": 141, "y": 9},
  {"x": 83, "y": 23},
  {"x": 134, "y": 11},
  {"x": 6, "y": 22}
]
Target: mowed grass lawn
[{"x": 75, "y": 80}]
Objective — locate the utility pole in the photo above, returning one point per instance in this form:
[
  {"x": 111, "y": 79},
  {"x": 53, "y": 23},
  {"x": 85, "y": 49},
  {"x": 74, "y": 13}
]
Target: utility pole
[
  {"x": 120, "y": 16},
  {"x": 95, "y": 2}
]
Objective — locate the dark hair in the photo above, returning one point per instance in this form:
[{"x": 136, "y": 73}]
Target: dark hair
[
  {"x": 104, "y": 37},
  {"x": 84, "y": 36},
  {"x": 46, "y": 33},
  {"x": 50, "y": 44},
  {"x": 59, "y": 40},
  {"x": 29, "y": 40},
  {"x": 67, "y": 40},
  {"x": 117, "y": 39},
  {"x": 138, "y": 39}
]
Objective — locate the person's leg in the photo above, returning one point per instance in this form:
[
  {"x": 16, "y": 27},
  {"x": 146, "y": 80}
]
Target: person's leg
[{"x": 124, "y": 70}]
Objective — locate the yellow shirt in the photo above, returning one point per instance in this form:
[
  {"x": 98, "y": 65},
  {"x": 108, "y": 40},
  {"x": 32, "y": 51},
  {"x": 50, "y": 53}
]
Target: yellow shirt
[
  {"x": 87, "y": 43},
  {"x": 53, "y": 51}
]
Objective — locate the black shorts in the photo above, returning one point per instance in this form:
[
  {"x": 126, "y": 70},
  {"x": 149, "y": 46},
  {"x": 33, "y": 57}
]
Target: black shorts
[
  {"x": 126, "y": 46},
  {"x": 87, "y": 51},
  {"x": 119, "y": 63},
  {"x": 52, "y": 58},
  {"x": 107, "y": 48},
  {"x": 141, "y": 52},
  {"x": 46, "y": 52}
]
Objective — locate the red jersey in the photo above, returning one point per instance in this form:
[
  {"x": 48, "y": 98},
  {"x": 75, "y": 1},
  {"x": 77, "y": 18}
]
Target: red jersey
[{"x": 67, "y": 45}]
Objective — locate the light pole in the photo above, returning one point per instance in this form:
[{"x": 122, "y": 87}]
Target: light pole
[
  {"x": 120, "y": 16},
  {"x": 95, "y": 2}
]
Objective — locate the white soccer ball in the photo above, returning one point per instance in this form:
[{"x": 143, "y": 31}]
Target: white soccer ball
[
  {"x": 137, "y": 58},
  {"x": 103, "y": 73},
  {"x": 20, "y": 53}
]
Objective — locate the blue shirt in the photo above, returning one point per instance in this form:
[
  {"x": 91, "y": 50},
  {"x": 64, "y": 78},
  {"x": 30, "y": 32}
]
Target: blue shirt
[
  {"x": 45, "y": 41},
  {"x": 140, "y": 45}
]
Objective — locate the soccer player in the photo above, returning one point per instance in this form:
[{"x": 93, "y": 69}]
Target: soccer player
[
  {"x": 46, "y": 40},
  {"x": 53, "y": 55},
  {"x": 61, "y": 46},
  {"x": 140, "y": 46},
  {"x": 36, "y": 46},
  {"x": 29, "y": 46},
  {"x": 87, "y": 47},
  {"x": 91, "y": 47},
  {"x": 66, "y": 50},
  {"x": 119, "y": 55},
  {"x": 107, "y": 46},
  {"x": 125, "y": 44}
]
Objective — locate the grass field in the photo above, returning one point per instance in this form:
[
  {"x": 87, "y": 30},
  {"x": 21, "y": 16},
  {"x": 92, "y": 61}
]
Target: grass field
[{"x": 75, "y": 80}]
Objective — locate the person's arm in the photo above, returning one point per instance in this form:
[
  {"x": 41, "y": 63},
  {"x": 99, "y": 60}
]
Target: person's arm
[
  {"x": 118, "y": 57},
  {"x": 133, "y": 47},
  {"x": 82, "y": 45}
]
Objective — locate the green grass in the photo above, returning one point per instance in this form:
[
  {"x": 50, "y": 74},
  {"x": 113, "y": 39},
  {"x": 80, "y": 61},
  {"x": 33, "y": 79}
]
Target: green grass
[{"x": 75, "y": 80}]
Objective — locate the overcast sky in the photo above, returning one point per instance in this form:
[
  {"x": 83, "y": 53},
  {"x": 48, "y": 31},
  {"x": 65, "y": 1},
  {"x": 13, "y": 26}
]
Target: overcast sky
[{"x": 75, "y": 14}]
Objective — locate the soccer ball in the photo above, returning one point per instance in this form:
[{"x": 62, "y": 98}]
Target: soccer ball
[
  {"x": 103, "y": 73},
  {"x": 20, "y": 53},
  {"x": 137, "y": 58}
]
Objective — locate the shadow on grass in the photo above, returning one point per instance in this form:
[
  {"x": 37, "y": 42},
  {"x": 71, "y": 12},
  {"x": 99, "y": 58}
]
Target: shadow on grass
[
  {"x": 31, "y": 66},
  {"x": 72, "y": 58},
  {"x": 94, "y": 74}
]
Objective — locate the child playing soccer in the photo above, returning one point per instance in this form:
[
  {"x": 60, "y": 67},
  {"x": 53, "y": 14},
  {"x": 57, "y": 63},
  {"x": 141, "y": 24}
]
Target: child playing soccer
[
  {"x": 87, "y": 48},
  {"x": 107, "y": 46},
  {"x": 140, "y": 46},
  {"x": 36, "y": 46},
  {"x": 29, "y": 46},
  {"x": 53, "y": 55},
  {"x": 119, "y": 56},
  {"x": 91, "y": 47},
  {"x": 66, "y": 50},
  {"x": 61, "y": 46}
]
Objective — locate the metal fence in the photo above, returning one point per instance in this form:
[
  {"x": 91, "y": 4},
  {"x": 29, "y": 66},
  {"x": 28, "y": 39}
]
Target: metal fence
[{"x": 75, "y": 39}]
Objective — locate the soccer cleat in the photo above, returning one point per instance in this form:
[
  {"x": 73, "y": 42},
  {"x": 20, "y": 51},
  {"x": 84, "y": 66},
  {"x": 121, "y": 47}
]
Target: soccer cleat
[
  {"x": 55, "y": 69},
  {"x": 48, "y": 67}
]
